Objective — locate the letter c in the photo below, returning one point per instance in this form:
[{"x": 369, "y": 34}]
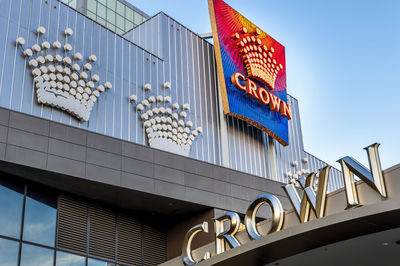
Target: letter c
[
  {"x": 236, "y": 78},
  {"x": 187, "y": 243}
]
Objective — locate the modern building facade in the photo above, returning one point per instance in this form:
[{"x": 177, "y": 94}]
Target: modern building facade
[
  {"x": 85, "y": 179},
  {"x": 117, "y": 16}
]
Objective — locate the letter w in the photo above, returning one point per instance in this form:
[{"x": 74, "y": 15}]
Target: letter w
[
  {"x": 274, "y": 104},
  {"x": 309, "y": 198}
]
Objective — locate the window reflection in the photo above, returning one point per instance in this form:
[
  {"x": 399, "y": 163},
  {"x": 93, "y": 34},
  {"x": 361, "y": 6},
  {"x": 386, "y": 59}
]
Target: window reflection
[
  {"x": 114, "y": 15},
  {"x": 11, "y": 201},
  {"x": 71, "y": 3},
  {"x": 67, "y": 259},
  {"x": 40, "y": 218},
  {"x": 120, "y": 8},
  {"x": 101, "y": 11},
  {"x": 34, "y": 256},
  {"x": 91, "y": 5},
  {"x": 138, "y": 19},
  {"x": 111, "y": 4},
  {"x": 8, "y": 252},
  {"x": 94, "y": 262}
]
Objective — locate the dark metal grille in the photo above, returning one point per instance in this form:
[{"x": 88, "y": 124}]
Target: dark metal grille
[
  {"x": 154, "y": 246},
  {"x": 102, "y": 236},
  {"x": 129, "y": 240},
  {"x": 101, "y": 232},
  {"x": 72, "y": 224}
]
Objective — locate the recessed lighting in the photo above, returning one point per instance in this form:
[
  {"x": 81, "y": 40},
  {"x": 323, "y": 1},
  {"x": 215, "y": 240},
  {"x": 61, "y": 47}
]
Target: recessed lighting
[{"x": 386, "y": 244}]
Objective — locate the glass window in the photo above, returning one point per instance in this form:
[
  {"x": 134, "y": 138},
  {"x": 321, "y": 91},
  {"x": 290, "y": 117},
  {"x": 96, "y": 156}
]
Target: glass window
[
  {"x": 91, "y": 5},
  {"x": 68, "y": 259},
  {"x": 94, "y": 262},
  {"x": 120, "y": 22},
  {"x": 8, "y": 252},
  {"x": 120, "y": 31},
  {"x": 101, "y": 21},
  {"x": 91, "y": 15},
  {"x": 120, "y": 8},
  {"x": 138, "y": 18},
  {"x": 129, "y": 14},
  {"x": 33, "y": 256},
  {"x": 110, "y": 26},
  {"x": 40, "y": 218},
  {"x": 104, "y": 2},
  {"x": 111, "y": 16},
  {"x": 111, "y": 4},
  {"x": 71, "y": 3},
  {"x": 101, "y": 11},
  {"x": 11, "y": 201},
  {"x": 128, "y": 25}
]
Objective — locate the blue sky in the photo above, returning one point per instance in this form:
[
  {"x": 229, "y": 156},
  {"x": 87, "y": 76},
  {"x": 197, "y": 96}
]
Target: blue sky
[{"x": 343, "y": 65}]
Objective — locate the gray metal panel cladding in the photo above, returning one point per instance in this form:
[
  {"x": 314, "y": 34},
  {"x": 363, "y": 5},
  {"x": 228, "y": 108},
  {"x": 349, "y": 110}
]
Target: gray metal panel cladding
[
  {"x": 127, "y": 66},
  {"x": 190, "y": 66},
  {"x": 162, "y": 50},
  {"x": 335, "y": 176}
]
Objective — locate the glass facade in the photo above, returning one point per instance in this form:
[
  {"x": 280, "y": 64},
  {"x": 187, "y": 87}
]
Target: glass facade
[
  {"x": 11, "y": 202},
  {"x": 94, "y": 262},
  {"x": 40, "y": 219},
  {"x": 112, "y": 14},
  {"x": 8, "y": 252},
  {"x": 32, "y": 255},
  {"x": 33, "y": 210},
  {"x": 68, "y": 259},
  {"x": 43, "y": 226}
]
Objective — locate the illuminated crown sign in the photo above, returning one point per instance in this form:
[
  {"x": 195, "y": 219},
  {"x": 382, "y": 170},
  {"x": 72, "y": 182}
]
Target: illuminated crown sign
[
  {"x": 165, "y": 124},
  {"x": 258, "y": 58},
  {"x": 62, "y": 80},
  {"x": 251, "y": 72}
]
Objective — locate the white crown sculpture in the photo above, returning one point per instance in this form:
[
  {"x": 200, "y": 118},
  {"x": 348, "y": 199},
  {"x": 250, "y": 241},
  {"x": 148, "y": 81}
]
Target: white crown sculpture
[
  {"x": 165, "y": 123},
  {"x": 294, "y": 177},
  {"x": 63, "y": 81}
]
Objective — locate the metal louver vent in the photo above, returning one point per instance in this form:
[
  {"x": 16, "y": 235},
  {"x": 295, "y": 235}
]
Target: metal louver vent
[
  {"x": 129, "y": 240},
  {"x": 72, "y": 224},
  {"x": 154, "y": 246},
  {"x": 101, "y": 232},
  {"x": 102, "y": 236}
]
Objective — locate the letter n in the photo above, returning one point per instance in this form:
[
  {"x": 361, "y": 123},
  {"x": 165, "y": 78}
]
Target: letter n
[{"x": 372, "y": 177}]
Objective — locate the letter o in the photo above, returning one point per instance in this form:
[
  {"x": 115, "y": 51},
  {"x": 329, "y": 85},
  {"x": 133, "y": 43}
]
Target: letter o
[
  {"x": 277, "y": 215},
  {"x": 263, "y": 95}
]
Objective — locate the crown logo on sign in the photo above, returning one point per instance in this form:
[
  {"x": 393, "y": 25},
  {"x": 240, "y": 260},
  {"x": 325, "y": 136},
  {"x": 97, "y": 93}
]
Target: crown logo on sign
[
  {"x": 165, "y": 124},
  {"x": 258, "y": 58},
  {"x": 63, "y": 80}
]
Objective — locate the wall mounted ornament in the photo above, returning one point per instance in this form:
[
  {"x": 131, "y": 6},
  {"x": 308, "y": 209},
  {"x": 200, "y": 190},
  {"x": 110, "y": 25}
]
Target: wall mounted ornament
[
  {"x": 298, "y": 172},
  {"x": 165, "y": 122},
  {"x": 62, "y": 78}
]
